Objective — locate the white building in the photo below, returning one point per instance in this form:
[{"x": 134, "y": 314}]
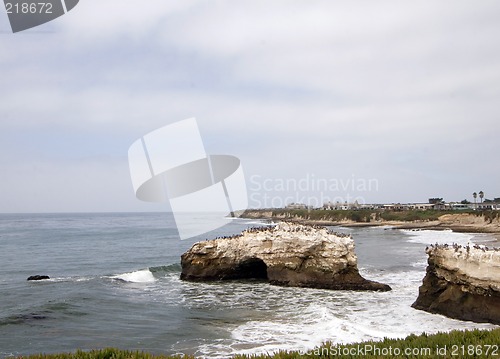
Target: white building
[{"x": 296, "y": 206}]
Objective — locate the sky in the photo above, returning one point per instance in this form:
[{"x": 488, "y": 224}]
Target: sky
[{"x": 380, "y": 102}]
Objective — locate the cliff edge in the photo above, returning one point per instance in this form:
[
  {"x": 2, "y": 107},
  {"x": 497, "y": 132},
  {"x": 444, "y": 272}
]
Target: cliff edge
[
  {"x": 480, "y": 222},
  {"x": 462, "y": 283},
  {"x": 288, "y": 254}
]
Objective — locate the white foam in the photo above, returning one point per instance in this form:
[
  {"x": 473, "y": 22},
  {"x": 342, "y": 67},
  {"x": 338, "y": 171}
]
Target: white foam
[
  {"x": 259, "y": 223},
  {"x": 140, "y": 276},
  {"x": 279, "y": 318},
  {"x": 251, "y": 221},
  {"x": 440, "y": 237},
  {"x": 317, "y": 325},
  {"x": 70, "y": 279},
  {"x": 266, "y": 319},
  {"x": 420, "y": 264}
]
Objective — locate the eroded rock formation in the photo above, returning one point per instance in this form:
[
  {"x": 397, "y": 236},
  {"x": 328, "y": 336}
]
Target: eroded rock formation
[
  {"x": 287, "y": 254},
  {"x": 462, "y": 283}
]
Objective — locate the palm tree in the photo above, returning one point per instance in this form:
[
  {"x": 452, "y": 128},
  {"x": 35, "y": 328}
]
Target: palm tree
[
  {"x": 481, "y": 195},
  {"x": 475, "y": 197}
]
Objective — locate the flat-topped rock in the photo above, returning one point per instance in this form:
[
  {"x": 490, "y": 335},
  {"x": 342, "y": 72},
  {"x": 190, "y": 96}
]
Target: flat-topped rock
[
  {"x": 462, "y": 282},
  {"x": 287, "y": 254}
]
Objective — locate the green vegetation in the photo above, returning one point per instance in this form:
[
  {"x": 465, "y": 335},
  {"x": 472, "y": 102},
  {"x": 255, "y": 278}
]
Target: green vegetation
[
  {"x": 415, "y": 215},
  {"x": 108, "y": 353},
  {"x": 489, "y": 216},
  {"x": 326, "y": 215},
  {"x": 456, "y": 344},
  {"x": 436, "y": 200}
]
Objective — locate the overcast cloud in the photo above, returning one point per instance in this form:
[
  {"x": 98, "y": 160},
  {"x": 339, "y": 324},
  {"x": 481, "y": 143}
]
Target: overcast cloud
[{"x": 406, "y": 94}]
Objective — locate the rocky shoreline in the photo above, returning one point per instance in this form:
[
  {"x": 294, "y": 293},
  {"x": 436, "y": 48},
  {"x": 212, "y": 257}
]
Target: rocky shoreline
[
  {"x": 288, "y": 254},
  {"x": 459, "y": 222},
  {"x": 462, "y": 282}
]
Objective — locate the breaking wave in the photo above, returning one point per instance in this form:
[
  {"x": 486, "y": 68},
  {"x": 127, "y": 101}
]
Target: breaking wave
[
  {"x": 171, "y": 268},
  {"x": 140, "y": 276},
  {"x": 439, "y": 237}
]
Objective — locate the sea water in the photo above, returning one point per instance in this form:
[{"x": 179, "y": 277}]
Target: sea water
[{"x": 115, "y": 283}]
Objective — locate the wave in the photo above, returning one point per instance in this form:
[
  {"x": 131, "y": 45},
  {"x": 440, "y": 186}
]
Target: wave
[
  {"x": 317, "y": 325},
  {"x": 170, "y": 268},
  {"x": 440, "y": 237},
  {"x": 255, "y": 222},
  {"x": 262, "y": 223},
  {"x": 140, "y": 276},
  {"x": 46, "y": 311},
  {"x": 22, "y": 318},
  {"x": 420, "y": 264},
  {"x": 148, "y": 275},
  {"x": 69, "y": 279}
]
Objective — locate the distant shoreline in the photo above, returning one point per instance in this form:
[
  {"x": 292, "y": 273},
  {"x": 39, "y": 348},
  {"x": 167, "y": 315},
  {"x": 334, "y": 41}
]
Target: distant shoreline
[{"x": 431, "y": 220}]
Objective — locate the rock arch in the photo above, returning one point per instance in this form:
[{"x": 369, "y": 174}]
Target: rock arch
[
  {"x": 251, "y": 268},
  {"x": 288, "y": 255}
]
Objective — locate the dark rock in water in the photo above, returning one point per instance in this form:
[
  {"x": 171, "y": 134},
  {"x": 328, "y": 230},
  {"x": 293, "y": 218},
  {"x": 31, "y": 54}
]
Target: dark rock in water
[
  {"x": 462, "y": 283},
  {"x": 38, "y": 277},
  {"x": 289, "y": 255}
]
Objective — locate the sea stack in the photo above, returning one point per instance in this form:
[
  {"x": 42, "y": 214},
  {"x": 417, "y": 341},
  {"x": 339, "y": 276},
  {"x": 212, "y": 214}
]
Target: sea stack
[
  {"x": 287, "y": 254},
  {"x": 462, "y": 283}
]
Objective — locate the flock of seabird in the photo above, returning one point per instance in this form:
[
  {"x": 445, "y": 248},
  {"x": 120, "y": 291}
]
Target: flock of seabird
[
  {"x": 295, "y": 229},
  {"x": 456, "y": 247}
]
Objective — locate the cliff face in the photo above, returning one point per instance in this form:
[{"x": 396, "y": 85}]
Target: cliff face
[
  {"x": 487, "y": 222},
  {"x": 287, "y": 254},
  {"x": 471, "y": 222},
  {"x": 462, "y": 283}
]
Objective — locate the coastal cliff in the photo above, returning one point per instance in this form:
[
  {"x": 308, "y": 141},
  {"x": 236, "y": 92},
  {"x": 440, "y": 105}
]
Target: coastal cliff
[
  {"x": 462, "y": 283},
  {"x": 481, "y": 222},
  {"x": 488, "y": 222},
  {"x": 287, "y": 254}
]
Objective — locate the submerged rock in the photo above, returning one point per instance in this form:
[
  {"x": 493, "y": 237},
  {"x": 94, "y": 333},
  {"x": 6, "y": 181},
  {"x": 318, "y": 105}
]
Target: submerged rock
[
  {"x": 287, "y": 254},
  {"x": 38, "y": 277},
  {"x": 462, "y": 283}
]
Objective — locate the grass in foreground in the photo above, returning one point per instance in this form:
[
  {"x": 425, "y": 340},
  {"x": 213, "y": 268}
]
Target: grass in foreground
[{"x": 455, "y": 344}]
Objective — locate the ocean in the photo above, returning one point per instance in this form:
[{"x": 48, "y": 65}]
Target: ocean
[{"x": 115, "y": 283}]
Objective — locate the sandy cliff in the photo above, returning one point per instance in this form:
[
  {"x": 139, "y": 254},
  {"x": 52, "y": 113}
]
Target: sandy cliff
[
  {"x": 467, "y": 222},
  {"x": 487, "y": 222},
  {"x": 288, "y": 254}
]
